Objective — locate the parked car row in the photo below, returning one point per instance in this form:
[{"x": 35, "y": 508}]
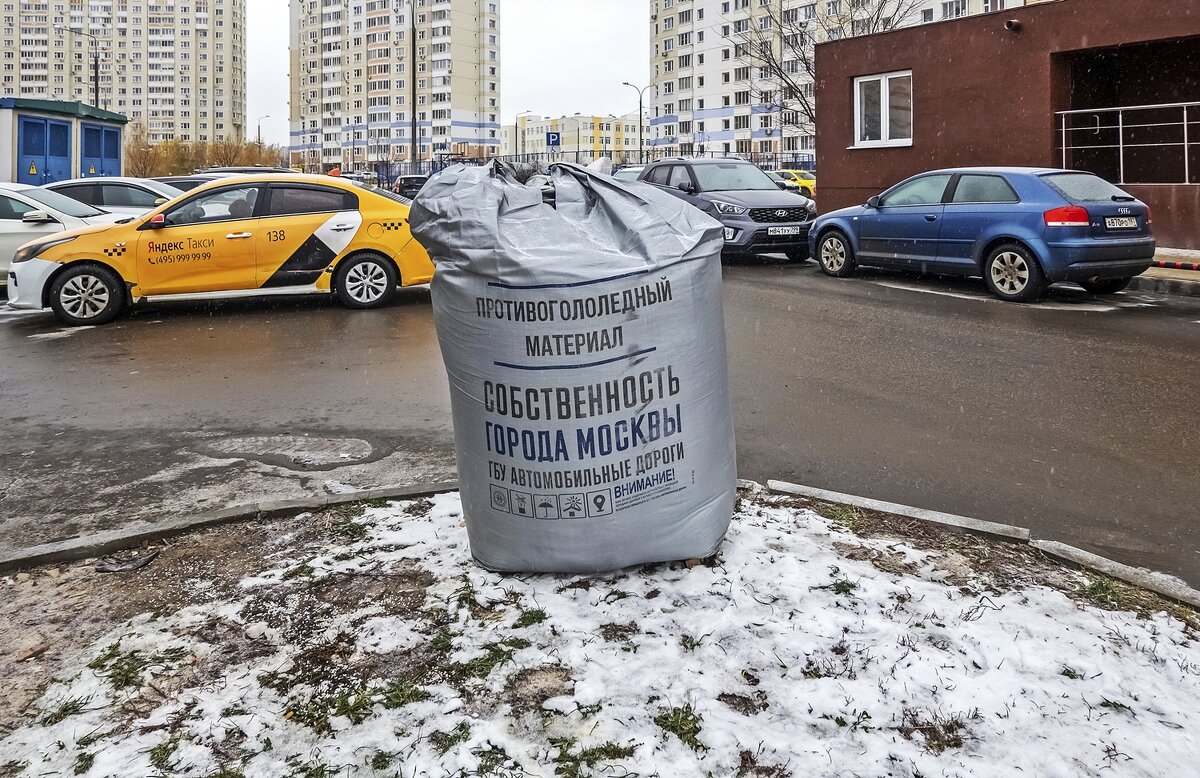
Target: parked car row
[{"x": 101, "y": 244}]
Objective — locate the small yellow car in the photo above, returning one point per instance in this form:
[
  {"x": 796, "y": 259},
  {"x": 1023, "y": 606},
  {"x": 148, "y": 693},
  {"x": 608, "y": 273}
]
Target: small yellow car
[
  {"x": 806, "y": 180},
  {"x": 239, "y": 236}
]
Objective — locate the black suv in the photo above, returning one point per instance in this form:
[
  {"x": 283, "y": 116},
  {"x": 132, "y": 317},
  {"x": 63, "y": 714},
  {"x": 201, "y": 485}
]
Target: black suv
[{"x": 759, "y": 217}]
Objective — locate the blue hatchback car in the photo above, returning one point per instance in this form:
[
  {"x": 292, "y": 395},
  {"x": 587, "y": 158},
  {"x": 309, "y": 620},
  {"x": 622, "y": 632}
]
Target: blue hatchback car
[{"x": 1022, "y": 229}]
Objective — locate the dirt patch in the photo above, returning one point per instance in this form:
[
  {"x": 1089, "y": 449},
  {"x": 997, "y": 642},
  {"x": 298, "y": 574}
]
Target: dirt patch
[
  {"x": 743, "y": 704},
  {"x": 529, "y": 689},
  {"x": 54, "y": 610}
]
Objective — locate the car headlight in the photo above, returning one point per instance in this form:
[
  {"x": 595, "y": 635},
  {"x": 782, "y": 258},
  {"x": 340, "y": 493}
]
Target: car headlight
[
  {"x": 723, "y": 207},
  {"x": 812, "y": 206},
  {"x": 31, "y": 250}
]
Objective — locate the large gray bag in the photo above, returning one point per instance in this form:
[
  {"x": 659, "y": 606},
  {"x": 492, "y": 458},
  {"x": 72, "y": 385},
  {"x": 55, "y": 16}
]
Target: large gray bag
[{"x": 585, "y": 346}]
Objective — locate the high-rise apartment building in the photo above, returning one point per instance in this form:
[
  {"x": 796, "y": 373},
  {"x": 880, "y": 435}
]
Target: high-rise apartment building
[
  {"x": 735, "y": 76},
  {"x": 366, "y": 73},
  {"x": 177, "y": 68}
]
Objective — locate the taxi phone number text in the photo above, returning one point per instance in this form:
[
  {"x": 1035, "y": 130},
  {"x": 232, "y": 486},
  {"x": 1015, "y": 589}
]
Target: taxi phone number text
[{"x": 174, "y": 259}]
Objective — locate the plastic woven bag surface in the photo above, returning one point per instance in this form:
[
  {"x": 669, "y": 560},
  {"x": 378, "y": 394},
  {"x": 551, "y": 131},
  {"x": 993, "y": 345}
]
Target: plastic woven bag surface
[{"x": 585, "y": 348}]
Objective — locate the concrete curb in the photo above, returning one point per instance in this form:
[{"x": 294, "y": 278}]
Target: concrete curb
[
  {"x": 114, "y": 540},
  {"x": 1160, "y": 583},
  {"x": 976, "y": 526},
  {"x": 1165, "y": 286}
]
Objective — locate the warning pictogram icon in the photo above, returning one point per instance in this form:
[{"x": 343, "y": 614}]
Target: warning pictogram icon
[
  {"x": 33, "y": 168},
  {"x": 92, "y": 170}
]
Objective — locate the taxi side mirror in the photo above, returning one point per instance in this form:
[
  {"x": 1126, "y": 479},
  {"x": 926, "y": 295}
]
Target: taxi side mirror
[
  {"x": 157, "y": 221},
  {"x": 161, "y": 201},
  {"x": 37, "y": 217}
]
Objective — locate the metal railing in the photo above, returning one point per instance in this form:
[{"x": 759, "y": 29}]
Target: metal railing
[{"x": 1135, "y": 144}]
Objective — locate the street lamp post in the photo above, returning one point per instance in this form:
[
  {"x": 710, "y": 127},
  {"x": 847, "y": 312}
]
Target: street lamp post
[
  {"x": 517, "y": 128},
  {"x": 412, "y": 86},
  {"x": 260, "y": 143},
  {"x": 641, "y": 140},
  {"x": 95, "y": 59}
]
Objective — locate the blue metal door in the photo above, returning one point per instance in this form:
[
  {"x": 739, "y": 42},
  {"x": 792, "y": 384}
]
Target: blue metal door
[
  {"x": 45, "y": 151},
  {"x": 112, "y": 152},
  {"x": 101, "y": 151}
]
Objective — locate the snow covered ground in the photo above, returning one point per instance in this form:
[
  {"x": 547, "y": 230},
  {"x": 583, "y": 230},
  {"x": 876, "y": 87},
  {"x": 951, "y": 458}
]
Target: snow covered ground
[{"x": 801, "y": 649}]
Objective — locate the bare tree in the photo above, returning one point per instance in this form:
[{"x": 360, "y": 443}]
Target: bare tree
[
  {"x": 781, "y": 51},
  {"x": 141, "y": 157}
]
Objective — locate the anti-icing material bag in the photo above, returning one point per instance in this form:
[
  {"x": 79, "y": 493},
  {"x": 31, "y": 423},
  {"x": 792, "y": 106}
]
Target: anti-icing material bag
[{"x": 585, "y": 347}]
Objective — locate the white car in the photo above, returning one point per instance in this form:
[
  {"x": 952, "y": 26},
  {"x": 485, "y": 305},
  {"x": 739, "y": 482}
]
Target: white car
[
  {"x": 29, "y": 212},
  {"x": 130, "y": 196},
  {"x": 629, "y": 173}
]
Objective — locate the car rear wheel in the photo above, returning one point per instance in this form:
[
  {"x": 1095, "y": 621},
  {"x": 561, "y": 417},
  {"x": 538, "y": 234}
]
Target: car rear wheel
[
  {"x": 804, "y": 190},
  {"x": 87, "y": 295},
  {"x": 1106, "y": 285},
  {"x": 834, "y": 255},
  {"x": 1013, "y": 274},
  {"x": 365, "y": 281}
]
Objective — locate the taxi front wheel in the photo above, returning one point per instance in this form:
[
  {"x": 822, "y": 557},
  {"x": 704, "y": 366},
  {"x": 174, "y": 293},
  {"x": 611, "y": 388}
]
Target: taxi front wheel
[
  {"x": 86, "y": 295},
  {"x": 365, "y": 281}
]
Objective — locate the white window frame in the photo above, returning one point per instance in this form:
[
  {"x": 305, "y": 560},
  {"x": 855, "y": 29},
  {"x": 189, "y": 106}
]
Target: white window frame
[{"x": 884, "y": 109}]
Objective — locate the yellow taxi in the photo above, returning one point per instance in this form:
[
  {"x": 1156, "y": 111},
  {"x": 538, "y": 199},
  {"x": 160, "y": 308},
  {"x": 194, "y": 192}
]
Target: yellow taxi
[
  {"x": 806, "y": 180},
  {"x": 240, "y": 236}
]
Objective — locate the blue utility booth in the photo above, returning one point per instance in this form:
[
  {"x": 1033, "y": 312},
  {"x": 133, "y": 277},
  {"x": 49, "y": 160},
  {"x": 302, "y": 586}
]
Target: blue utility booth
[{"x": 50, "y": 141}]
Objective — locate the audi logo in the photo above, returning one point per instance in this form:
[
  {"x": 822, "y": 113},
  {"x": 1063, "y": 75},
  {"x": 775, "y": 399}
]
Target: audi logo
[
  {"x": 1124, "y": 211},
  {"x": 781, "y": 214}
]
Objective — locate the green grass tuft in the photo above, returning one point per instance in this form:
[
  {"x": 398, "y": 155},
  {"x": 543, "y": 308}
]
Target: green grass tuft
[
  {"x": 573, "y": 762},
  {"x": 684, "y": 723},
  {"x": 160, "y": 755},
  {"x": 399, "y": 694},
  {"x": 83, "y": 762},
  {"x": 68, "y": 707},
  {"x": 530, "y": 618},
  {"x": 442, "y": 742}
]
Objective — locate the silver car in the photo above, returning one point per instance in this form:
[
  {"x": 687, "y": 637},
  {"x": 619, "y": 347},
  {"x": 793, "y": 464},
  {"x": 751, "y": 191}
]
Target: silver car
[
  {"x": 129, "y": 196},
  {"x": 29, "y": 212}
]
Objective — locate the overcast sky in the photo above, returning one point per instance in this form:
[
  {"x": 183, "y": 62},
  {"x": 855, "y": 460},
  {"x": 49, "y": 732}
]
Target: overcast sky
[{"x": 556, "y": 56}]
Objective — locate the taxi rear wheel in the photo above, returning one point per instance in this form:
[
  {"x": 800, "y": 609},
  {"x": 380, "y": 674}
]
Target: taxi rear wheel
[
  {"x": 87, "y": 295},
  {"x": 365, "y": 281}
]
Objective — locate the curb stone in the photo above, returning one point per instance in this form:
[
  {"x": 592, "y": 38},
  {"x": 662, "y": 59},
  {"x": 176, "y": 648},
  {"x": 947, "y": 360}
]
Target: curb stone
[
  {"x": 1161, "y": 584},
  {"x": 114, "y": 540},
  {"x": 976, "y": 526},
  {"x": 1165, "y": 286}
]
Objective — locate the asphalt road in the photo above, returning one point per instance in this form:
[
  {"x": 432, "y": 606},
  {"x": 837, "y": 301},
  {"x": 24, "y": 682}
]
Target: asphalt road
[{"x": 1076, "y": 417}]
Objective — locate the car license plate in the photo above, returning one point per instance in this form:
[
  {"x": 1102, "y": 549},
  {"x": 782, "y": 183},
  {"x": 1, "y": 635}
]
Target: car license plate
[
  {"x": 1121, "y": 223},
  {"x": 783, "y": 230}
]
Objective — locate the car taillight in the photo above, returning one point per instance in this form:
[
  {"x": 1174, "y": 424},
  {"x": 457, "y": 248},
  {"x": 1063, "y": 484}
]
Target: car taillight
[
  {"x": 1067, "y": 216},
  {"x": 1149, "y": 219}
]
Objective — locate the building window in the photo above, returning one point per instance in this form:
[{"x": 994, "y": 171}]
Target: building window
[
  {"x": 952, "y": 9},
  {"x": 883, "y": 110}
]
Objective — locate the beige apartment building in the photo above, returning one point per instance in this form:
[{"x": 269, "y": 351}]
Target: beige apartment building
[
  {"x": 579, "y": 137},
  {"x": 178, "y": 68},
  {"x": 384, "y": 83},
  {"x": 712, "y": 94}
]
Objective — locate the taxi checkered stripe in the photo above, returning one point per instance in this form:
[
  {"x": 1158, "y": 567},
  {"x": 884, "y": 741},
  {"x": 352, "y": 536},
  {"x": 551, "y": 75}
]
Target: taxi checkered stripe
[
  {"x": 115, "y": 251},
  {"x": 389, "y": 226}
]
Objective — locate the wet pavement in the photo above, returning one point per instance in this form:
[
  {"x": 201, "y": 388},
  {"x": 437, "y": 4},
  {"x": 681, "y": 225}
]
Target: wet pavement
[{"x": 1076, "y": 417}]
